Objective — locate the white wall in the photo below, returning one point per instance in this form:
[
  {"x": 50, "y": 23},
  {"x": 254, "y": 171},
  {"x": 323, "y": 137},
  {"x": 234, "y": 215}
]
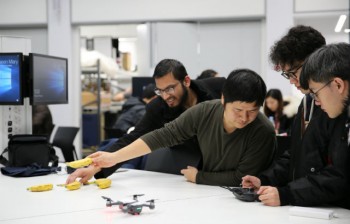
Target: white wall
[
  {"x": 178, "y": 41},
  {"x": 115, "y": 31},
  {"x": 117, "y": 11},
  {"x": 279, "y": 18},
  {"x": 230, "y": 45},
  {"x": 320, "y": 5},
  {"x": 60, "y": 43},
  {"x": 22, "y": 13}
]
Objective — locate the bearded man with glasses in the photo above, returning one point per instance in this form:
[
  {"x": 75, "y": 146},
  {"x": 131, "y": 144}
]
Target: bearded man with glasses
[
  {"x": 306, "y": 174},
  {"x": 176, "y": 93}
]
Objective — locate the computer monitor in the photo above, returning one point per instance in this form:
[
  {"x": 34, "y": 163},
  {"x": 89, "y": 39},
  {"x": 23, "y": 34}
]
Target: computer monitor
[
  {"x": 139, "y": 83},
  {"x": 11, "y": 79},
  {"x": 49, "y": 78}
]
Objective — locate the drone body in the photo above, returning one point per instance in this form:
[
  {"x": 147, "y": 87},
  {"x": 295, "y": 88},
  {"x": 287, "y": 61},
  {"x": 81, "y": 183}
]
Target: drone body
[
  {"x": 136, "y": 208},
  {"x": 133, "y": 207}
]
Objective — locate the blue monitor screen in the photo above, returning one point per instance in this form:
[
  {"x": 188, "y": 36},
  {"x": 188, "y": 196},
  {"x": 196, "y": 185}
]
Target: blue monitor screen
[
  {"x": 49, "y": 76},
  {"x": 11, "y": 79}
]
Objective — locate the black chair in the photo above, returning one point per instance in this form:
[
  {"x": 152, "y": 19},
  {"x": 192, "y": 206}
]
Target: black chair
[
  {"x": 63, "y": 139},
  {"x": 172, "y": 160}
]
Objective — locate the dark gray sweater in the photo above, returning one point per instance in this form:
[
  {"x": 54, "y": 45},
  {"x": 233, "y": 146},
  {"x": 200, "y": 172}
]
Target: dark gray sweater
[{"x": 226, "y": 157}]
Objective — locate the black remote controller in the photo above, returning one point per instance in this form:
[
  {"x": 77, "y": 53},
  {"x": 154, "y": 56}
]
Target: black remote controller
[{"x": 244, "y": 194}]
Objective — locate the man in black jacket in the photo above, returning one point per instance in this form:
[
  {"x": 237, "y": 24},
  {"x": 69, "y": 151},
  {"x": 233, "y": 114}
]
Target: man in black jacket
[
  {"x": 311, "y": 174},
  {"x": 327, "y": 74},
  {"x": 177, "y": 92}
]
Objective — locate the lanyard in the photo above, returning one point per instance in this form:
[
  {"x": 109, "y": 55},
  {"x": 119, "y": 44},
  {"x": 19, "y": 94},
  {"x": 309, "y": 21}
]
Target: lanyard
[
  {"x": 306, "y": 109},
  {"x": 305, "y": 120}
]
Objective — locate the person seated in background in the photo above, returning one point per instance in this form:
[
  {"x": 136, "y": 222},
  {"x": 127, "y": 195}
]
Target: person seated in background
[
  {"x": 176, "y": 93},
  {"x": 42, "y": 120},
  {"x": 209, "y": 73},
  {"x": 234, "y": 137},
  {"x": 134, "y": 109},
  {"x": 310, "y": 174},
  {"x": 273, "y": 109},
  {"x": 123, "y": 95},
  {"x": 132, "y": 112}
]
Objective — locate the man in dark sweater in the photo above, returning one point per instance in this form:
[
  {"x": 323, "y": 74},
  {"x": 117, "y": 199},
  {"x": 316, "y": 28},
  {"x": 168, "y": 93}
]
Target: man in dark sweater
[
  {"x": 177, "y": 92},
  {"x": 234, "y": 138}
]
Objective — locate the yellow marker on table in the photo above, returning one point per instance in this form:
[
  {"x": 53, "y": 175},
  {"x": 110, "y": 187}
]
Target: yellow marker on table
[
  {"x": 102, "y": 183},
  {"x": 80, "y": 163},
  {"x": 40, "y": 188},
  {"x": 72, "y": 186}
]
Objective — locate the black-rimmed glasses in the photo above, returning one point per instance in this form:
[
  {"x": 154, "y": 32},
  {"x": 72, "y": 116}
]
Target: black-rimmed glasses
[
  {"x": 290, "y": 74},
  {"x": 168, "y": 90},
  {"x": 314, "y": 94}
]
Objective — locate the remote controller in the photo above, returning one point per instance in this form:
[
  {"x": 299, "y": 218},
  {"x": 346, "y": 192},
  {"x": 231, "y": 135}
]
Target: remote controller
[{"x": 244, "y": 194}]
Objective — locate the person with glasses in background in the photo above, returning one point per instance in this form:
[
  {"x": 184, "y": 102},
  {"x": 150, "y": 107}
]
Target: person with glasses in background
[
  {"x": 234, "y": 137},
  {"x": 176, "y": 93},
  {"x": 304, "y": 175}
]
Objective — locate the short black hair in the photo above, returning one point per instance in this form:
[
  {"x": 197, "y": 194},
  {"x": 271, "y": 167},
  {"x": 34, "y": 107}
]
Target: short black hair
[
  {"x": 326, "y": 63},
  {"x": 244, "y": 85},
  {"x": 207, "y": 74},
  {"x": 148, "y": 91},
  {"x": 296, "y": 46},
  {"x": 173, "y": 66}
]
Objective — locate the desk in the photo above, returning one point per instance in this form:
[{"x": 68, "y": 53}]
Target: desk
[{"x": 178, "y": 202}]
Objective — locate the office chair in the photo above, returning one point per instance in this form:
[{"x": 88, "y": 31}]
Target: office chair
[
  {"x": 63, "y": 139},
  {"x": 173, "y": 160}
]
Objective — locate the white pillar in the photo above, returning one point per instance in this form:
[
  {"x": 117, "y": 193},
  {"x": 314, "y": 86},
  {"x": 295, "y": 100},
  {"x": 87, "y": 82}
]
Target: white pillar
[
  {"x": 279, "y": 18},
  {"x": 61, "y": 37}
]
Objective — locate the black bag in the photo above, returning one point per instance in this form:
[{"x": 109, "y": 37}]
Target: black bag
[
  {"x": 24, "y": 150},
  {"x": 28, "y": 171}
]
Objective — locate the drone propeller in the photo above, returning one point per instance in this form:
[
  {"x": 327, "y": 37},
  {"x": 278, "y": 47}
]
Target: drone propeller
[
  {"x": 135, "y": 196},
  {"x": 106, "y": 198},
  {"x": 109, "y": 201}
]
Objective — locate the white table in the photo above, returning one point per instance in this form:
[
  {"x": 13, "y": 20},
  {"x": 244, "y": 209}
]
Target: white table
[{"x": 178, "y": 202}]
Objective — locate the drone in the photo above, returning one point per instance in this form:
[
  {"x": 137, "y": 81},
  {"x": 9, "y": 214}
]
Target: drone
[{"x": 133, "y": 207}]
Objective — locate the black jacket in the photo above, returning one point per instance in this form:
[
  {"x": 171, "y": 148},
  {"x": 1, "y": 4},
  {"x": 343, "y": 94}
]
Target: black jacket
[
  {"x": 132, "y": 112},
  {"x": 158, "y": 113},
  {"x": 316, "y": 170}
]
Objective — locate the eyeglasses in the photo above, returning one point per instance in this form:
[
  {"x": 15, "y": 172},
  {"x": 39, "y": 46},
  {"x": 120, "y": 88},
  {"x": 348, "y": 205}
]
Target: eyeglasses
[
  {"x": 168, "y": 90},
  {"x": 314, "y": 94},
  {"x": 289, "y": 74}
]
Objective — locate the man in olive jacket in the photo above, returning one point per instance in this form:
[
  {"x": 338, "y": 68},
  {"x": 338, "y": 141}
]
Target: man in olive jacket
[
  {"x": 177, "y": 92},
  {"x": 234, "y": 137}
]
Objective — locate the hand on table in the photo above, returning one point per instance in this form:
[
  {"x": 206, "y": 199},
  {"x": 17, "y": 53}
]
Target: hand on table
[
  {"x": 251, "y": 182},
  {"x": 269, "y": 196},
  {"x": 85, "y": 174},
  {"x": 190, "y": 173}
]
